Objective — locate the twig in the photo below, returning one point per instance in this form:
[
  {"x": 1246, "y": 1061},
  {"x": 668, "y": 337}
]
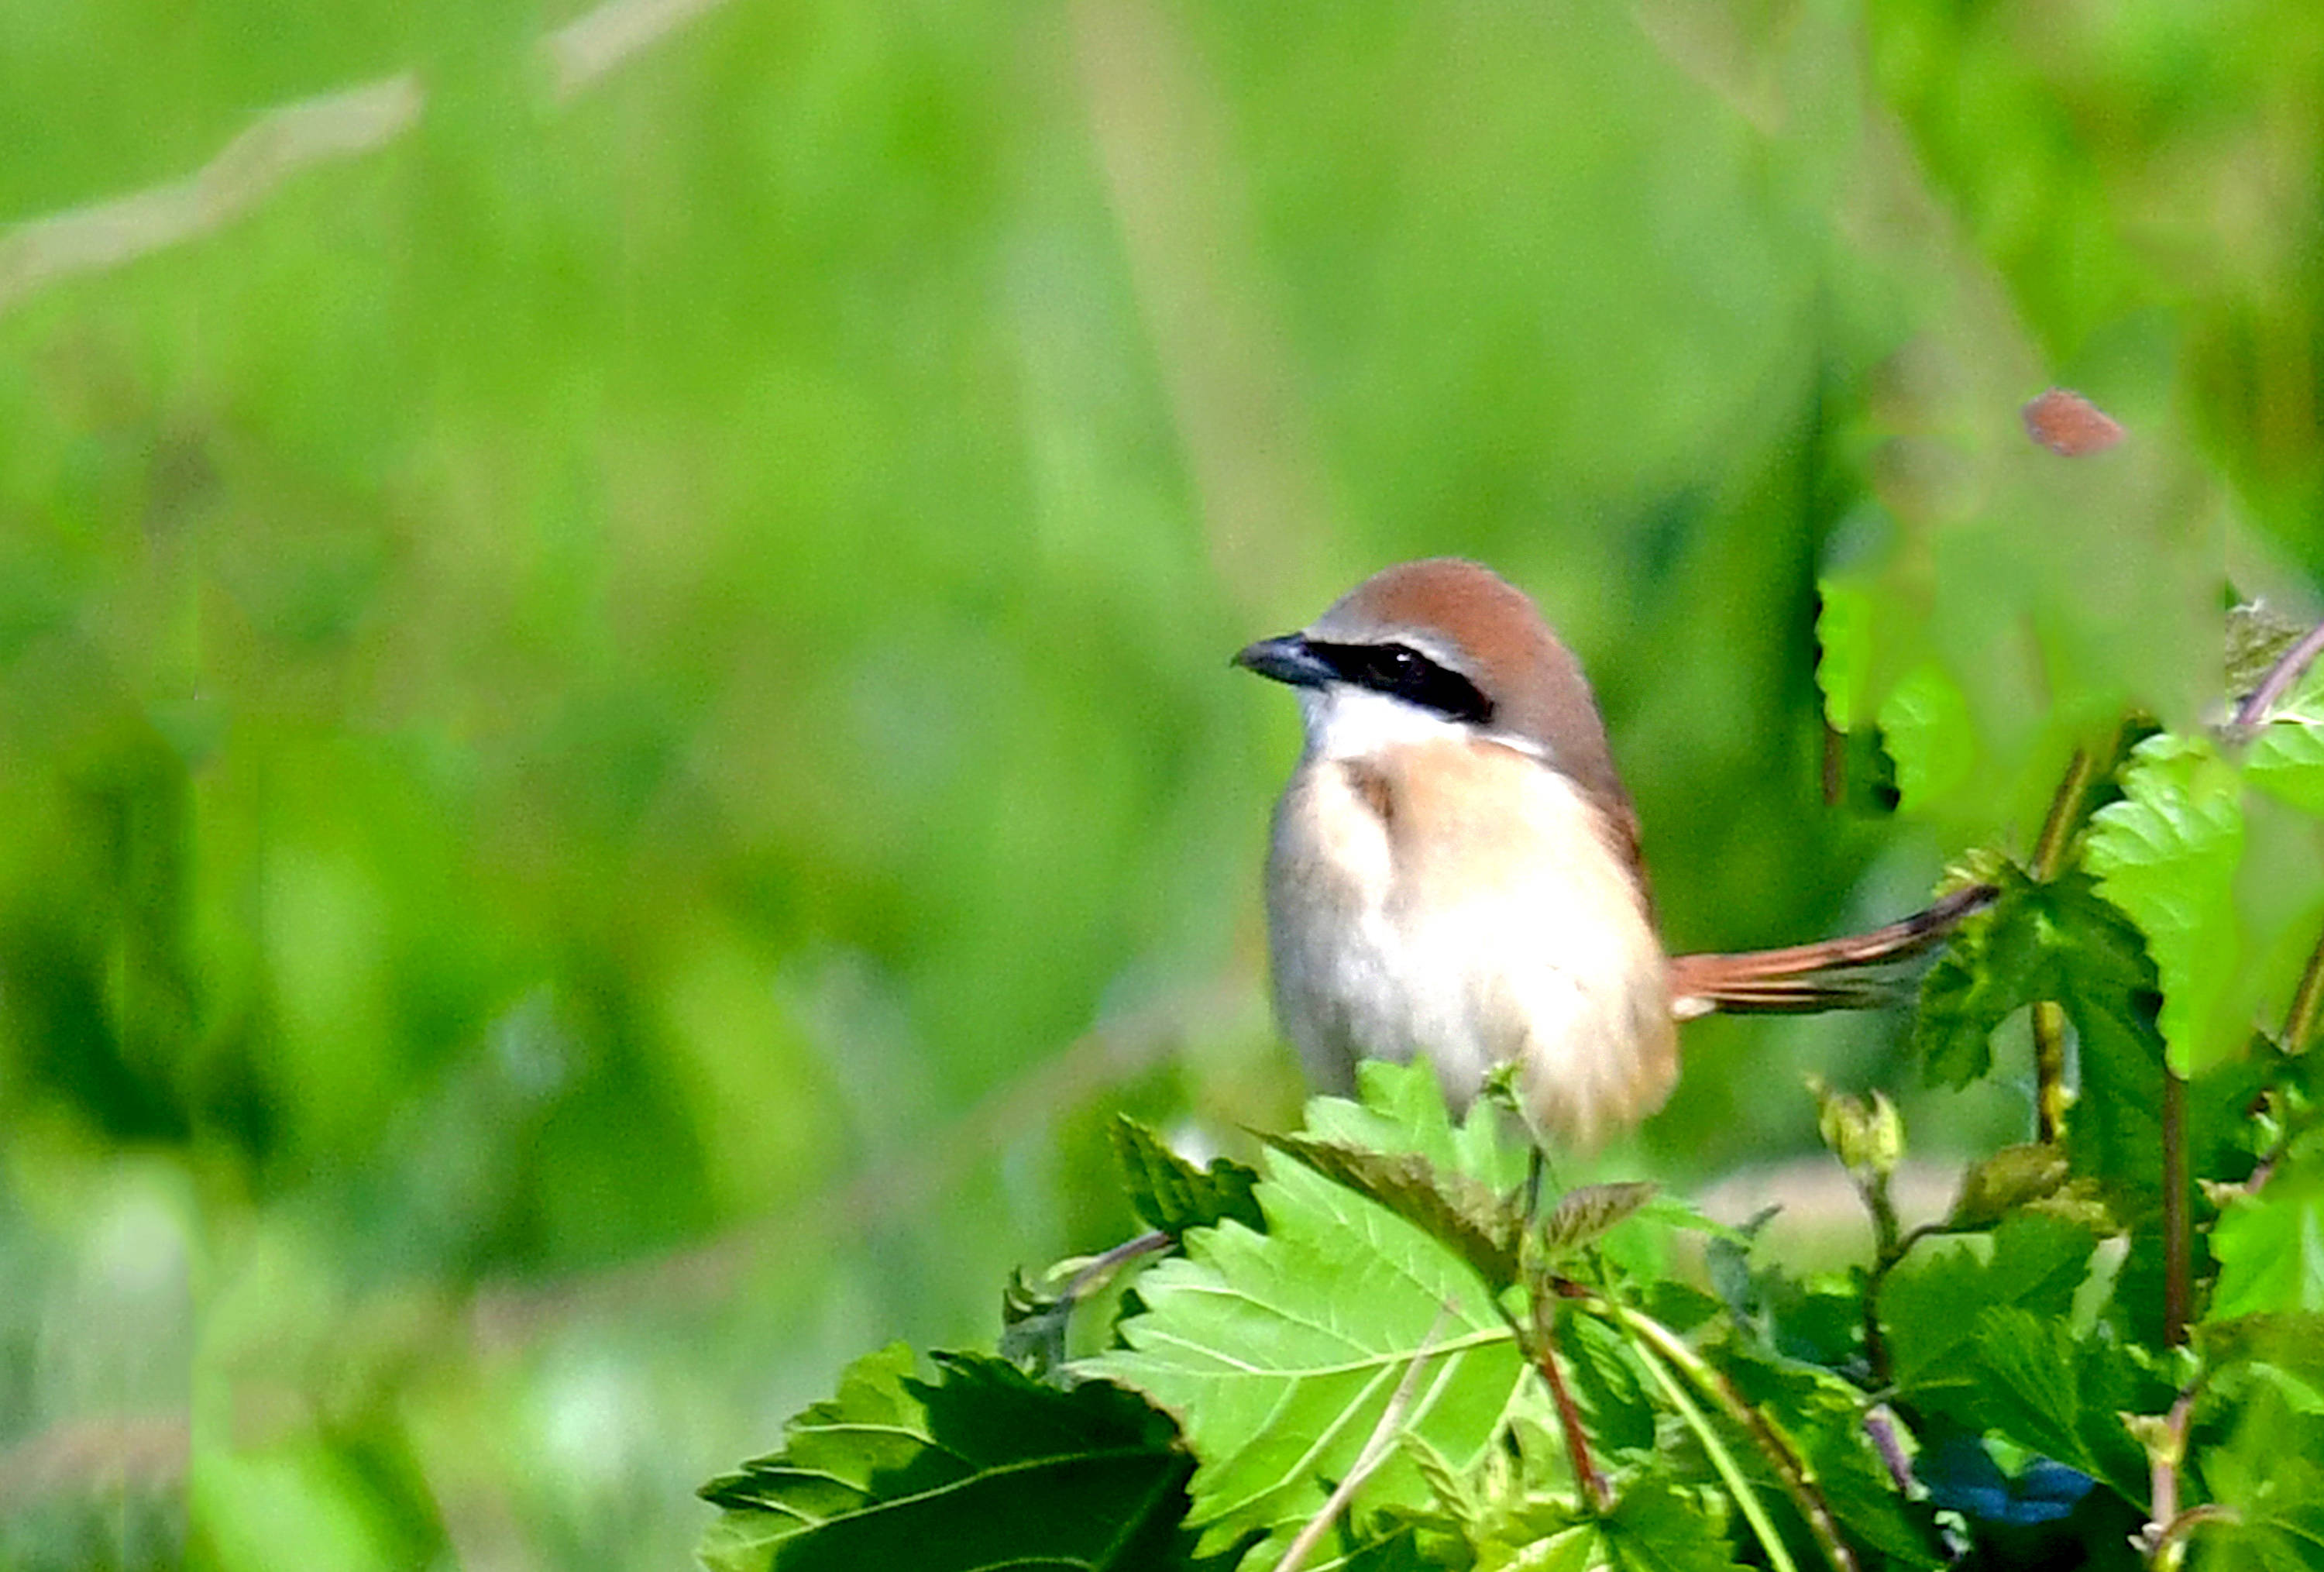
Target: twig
[
  {"x": 2065, "y": 811},
  {"x": 2178, "y": 1238},
  {"x": 2163, "y": 1539},
  {"x": 1374, "y": 1453},
  {"x": 2300, "y": 1022},
  {"x": 1755, "y": 1511},
  {"x": 1102, "y": 1267},
  {"x": 1876, "y": 1345},
  {"x": 2253, "y": 710},
  {"x": 1543, "y": 1348},
  {"x": 2051, "y": 1096},
  {"x": 1880, "y": 1425}
]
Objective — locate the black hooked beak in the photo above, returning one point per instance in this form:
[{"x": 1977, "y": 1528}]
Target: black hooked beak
[{"x": 1289, "y": 659}]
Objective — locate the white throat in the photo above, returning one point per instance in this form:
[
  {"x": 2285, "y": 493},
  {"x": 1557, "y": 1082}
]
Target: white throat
[{"x": 1348, "y": 722}]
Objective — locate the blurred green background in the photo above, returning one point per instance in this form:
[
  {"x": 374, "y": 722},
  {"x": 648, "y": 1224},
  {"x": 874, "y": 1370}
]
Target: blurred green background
[{"x": 615, "y": 742}]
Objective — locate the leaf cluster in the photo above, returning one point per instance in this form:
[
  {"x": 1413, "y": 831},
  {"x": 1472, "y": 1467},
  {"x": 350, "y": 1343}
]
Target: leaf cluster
[{"x": 1392, "y": 1345}]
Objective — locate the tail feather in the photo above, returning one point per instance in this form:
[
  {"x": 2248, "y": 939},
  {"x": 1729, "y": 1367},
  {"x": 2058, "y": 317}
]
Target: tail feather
[{"x": 1832, "y": 974}]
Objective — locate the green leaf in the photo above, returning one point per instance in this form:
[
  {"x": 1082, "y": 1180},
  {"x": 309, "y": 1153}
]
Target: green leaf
[
  {"x": 1583, "y": 1213},
  {"x": 2167, "y": 854},
  {"x": 1171, "y": 1195},
  {"x": 2059, "y": 1394},
  {"x": 983, "y": 1469},
  {"x": 1449, "y": 1205},
  {"x": 2268, "y": 1479},
  {"x": 2286, "y": 761},
  {"x": 1821, "y": 1415},
  {"x": 2062, "y": 943},
  {"x": 1995, "y": 965},
  {"x": 1931, "y": 1305},
  {"x": 832, "y": 1448},
  {"x": 1280, "y": 1352},
  {"x": 1926, "y": 724},
  {"x": 1401, "y": 1108},
  {"x": 2270, "y": 1246},
  {"x": 1844, "y": 638}
]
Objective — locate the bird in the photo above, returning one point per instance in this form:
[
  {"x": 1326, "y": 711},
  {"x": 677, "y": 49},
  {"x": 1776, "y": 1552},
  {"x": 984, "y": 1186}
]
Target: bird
[{"x": 1454, "y": 870}]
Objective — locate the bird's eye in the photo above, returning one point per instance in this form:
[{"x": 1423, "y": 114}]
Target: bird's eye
[{"x": 1401, "y": 661}]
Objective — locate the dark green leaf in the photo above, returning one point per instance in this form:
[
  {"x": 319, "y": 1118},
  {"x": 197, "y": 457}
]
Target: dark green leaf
[
  {"x": 981, "y": 1468},
  {"x": 1583, "y": 1213},
  {"x": 1994, "y": 965},
  {"x": 1172, "y": 1195},
  {"x": 1930, "y": 1305}
]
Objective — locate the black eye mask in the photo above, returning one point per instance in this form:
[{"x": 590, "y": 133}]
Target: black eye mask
[{"x": 1404, "y": 671}]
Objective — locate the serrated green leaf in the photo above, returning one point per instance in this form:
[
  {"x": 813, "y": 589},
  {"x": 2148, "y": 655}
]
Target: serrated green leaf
[
  {"x": 1931, "y": 1304},
  {"x": 1584, "y": 1213},
  {"x": 1400, "y": 1107},
  {"x": 2062, "y": 942},
  {"x": 1822, "y": 1417},
  {"x": 832, "y": 1448},
  {"x": 1995, "y": 965},
  {"x": 1170, "y": 1194},
  {"x": 2166, "y": 855},
  {"x": 1453, "y": 1207},
  {"x": 2270, "y": 1246},
  {"x": 2052, "y": 1393},
  {"x": 2268, "y": 1479},
  {"x": 1281, "y": 1351},
  {"x": 981, "y": 1468}
]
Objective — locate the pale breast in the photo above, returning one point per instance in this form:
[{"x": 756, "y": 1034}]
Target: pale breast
[{"x": 1462, "y": 900}]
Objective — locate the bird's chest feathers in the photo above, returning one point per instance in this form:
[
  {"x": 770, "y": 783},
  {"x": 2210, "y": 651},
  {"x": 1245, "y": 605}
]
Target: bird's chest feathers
[{"x": 1433, "y": 881}]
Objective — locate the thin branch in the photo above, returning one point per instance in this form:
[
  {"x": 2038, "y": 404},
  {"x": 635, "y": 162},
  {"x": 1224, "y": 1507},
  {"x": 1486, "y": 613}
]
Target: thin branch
[
  {"x": 1374, "y": 1453},
  {"x": 1543, "y": 1348},
  {"x": 2253, "y": 710},
  {"x": 2178, "y": 1237},
  {"x": 2300, "y": 1022},
  {"x": 1798, "y": 1479},
  {"x": 1755, "y": 1511},
  {"x": 2065, "y": 813}
]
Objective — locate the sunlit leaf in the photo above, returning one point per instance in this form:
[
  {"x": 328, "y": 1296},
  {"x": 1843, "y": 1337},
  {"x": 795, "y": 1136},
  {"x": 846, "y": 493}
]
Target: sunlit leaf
[
  {"x": 1926, "y": 723},
  {"x": 1280, "y": 1352},
  {"x": 2167, "y": 854}
]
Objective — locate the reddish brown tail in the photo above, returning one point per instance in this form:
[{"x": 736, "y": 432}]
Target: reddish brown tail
[{"x": 1832, "y": 974}]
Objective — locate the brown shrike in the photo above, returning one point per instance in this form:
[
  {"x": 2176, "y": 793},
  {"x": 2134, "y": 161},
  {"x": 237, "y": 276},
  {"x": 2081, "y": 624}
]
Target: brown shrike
[{"x": 1455, "y": 869}]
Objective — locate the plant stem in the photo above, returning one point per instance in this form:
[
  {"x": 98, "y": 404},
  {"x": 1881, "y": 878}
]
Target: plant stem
[
  {"x": 2300, "y": 1022},
  {"x": 2051, "y": 1096},
  {"x": 2281, "y": 676},
  {"x": 1755, "y": 1511},
  {"x": 2178, "y": 1240},
  {"x": 1569, "y": 1414},
  {"x": 1374, "y": 1453},
  {"x": 1661, "y": 1344},
  {"x": 2065, "y": 813}
]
